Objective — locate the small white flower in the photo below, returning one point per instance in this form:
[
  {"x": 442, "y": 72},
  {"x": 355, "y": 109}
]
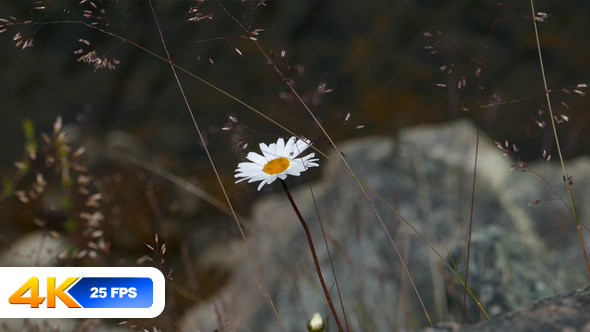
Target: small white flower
[
  {"x": 316, "y": 324},
  {"x": 277, "y": 161}
]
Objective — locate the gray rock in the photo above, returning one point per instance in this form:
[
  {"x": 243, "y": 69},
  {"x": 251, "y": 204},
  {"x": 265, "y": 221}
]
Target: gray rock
[
  {"x": 426, "y": 175},
  {"x": 34, "y": 249},
  {"x": 563, "y": 313}
]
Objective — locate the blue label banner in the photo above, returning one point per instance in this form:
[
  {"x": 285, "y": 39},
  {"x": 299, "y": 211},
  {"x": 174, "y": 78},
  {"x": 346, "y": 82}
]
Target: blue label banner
[{"x": 113, "y": 292}]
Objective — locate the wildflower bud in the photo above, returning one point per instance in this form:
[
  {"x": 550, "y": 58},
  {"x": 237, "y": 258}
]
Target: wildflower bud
[
  {"x": 579, "y": 92},
  {"x": 541, "y": 17},
  {"x": 316, "y": 324},
  {"x": 57, "y": 125}
]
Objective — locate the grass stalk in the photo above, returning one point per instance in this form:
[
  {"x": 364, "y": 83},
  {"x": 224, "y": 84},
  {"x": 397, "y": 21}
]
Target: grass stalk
[
  {"x": 313, "y": 253},
  {"x": 552, "y": 118}
]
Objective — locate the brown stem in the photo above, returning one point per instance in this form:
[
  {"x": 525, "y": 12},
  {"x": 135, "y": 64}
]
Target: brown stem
[{"x": 313, "y": 253}]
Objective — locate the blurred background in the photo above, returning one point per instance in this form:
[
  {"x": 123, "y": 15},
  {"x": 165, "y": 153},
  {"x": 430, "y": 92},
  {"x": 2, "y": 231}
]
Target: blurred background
[
  {"x": 389, "y": 64},
  {"x": 372, "y": 56}
]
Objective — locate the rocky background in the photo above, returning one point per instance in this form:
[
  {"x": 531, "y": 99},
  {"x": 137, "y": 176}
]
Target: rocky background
[{"x": 519, "y": 254}]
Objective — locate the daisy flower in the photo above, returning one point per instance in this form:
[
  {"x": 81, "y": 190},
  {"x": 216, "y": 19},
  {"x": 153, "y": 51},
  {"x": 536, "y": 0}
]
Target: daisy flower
[{"x": 277, "y": 161}]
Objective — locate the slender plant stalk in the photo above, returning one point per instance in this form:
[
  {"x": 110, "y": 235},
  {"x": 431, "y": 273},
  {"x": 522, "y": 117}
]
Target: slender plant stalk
[
  {"x": 329, "y": 257},
  {"x": 565, "y": 177},
  {"x": 313, "y": 253},
  {"x": 471, "y": 211},
  {"x": 474, "y": 182}
]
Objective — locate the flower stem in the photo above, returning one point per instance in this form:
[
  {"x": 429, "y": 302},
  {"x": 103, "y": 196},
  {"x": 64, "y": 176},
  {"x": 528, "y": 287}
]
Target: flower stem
[{"x": 313, "y": 253}]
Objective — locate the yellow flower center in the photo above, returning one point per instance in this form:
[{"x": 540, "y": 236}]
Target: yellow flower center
[{"x": 276, "y": 165}]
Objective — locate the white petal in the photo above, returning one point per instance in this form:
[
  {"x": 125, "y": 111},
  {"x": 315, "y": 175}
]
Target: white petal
[
  {"x": 311, "y": 164},
  {"x": 271, "y": 178},
  {"x": 308, "y": 161},
  {"x": 243, "y": 179},
  {"x": 258, "y": 177},
  {"x": 268, "y": 151},
  {"x": 311, "y": 155},
  {"x": 292, "y": 172},
  {"x": 280, "y": 147},
  {"x": 288, "y": 152},
  {"x": 296, "y": 169},
  {"x": 268, "y": 180},
  {"x": 249, "y": 167},
  {"x": 256, "y": 158},
  {"x": 264, "y": 148},
  {"x": 301, "y": 146}
]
